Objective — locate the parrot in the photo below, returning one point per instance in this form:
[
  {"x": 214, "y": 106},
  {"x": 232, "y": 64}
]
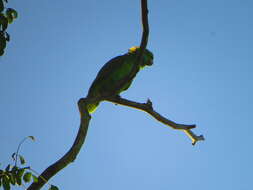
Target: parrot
[{"x": 117, "y": 75}]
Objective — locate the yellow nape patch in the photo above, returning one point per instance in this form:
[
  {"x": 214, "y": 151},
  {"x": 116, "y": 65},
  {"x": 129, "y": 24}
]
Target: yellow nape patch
[{"x": 133, "y": 49}]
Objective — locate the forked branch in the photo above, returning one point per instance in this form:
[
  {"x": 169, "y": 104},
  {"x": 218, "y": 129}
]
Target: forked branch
[
  {"x": 85, "y": 117},
  {"x": 148, "y": 108}
]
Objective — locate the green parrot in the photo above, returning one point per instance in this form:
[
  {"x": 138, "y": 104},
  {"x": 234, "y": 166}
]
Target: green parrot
[{"x": 117, "y": 75}]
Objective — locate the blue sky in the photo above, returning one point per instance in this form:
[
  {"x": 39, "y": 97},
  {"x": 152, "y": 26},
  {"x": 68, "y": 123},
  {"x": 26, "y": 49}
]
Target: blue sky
[{"x": 202, "y": 74}]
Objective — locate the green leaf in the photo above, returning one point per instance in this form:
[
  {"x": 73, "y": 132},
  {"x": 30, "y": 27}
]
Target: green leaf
[
  {"x": 6, "y": 183},
  {"x": 32, "y": 137},
  {"x": 12, "y": 179},
  {"x": 21, "y": 172},
  {"x": 1, "y": 5},
  {"x": 2, "y": 41},
  {"x": 0, "y": 181},
  {"x": 9, "y": 15},
  {"x": 35, "y": 179},
  {"x": 8, "y": 168},
  {"x": 14, "y": 13},
  {"x": 3, "y": 22},
  {"x": 10, "y": 19},
  {"x": 27, "y": 177},
  {"x": 1, "y": 52},
  {"x": 52, "y": 187},
  {"x": 18, "y": 179},
  {"x": 22, "y": 160},
  {"x": 11, "y": 12}
]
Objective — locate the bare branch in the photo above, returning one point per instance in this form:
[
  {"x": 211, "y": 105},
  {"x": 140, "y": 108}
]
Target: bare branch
[
  {"x": 145, "y": 26},
  {"x": 85, "y": 117},
  {"x": 70, "y": 156},
  {"x": 148, "y": 108},
  {"x": 144, "y": 42}
]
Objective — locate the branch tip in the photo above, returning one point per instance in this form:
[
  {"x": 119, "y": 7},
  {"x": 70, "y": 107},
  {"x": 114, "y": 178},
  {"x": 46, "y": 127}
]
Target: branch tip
[{"x": 147, "y": 107}]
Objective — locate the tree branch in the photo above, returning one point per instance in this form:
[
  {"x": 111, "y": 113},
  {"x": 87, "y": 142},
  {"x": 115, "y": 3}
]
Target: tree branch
[
  {"x": 143, "y": 45},
  {"x": 85, "y": 117},
  {"x": 148, "y": 108},
  {"x": 70, "y": 156},
  {"x": 145, "y": 27}
]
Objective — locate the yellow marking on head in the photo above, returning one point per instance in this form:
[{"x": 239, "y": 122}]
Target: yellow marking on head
[{"x": 133, "y": 49}]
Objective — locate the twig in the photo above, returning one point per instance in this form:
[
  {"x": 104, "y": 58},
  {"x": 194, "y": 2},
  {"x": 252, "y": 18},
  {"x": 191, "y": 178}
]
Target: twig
[
  {"x": 70, "y": 156},
  {"x": 148, "y": 108},
  {"x": 17, "y": 152}
]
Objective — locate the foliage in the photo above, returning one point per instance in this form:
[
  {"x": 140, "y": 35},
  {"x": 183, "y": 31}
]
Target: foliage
[
  {"x": 15, "y": 175},
  {"x": 7, "y": 15}
]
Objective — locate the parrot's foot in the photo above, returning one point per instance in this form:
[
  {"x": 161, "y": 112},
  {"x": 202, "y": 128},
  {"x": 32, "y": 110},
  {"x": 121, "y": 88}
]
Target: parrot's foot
[
  {"x": 117, "y": 97},
  {"x": 82, "y": 105}
]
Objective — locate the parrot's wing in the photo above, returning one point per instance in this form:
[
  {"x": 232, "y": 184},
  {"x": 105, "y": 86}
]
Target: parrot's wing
[
  {"x": 105, "y": 74},
  {"x": 110, "y": 67}
]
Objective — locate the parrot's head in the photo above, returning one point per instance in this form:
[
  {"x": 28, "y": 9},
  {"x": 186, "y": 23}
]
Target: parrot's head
[{"x": 147, "y": 59}]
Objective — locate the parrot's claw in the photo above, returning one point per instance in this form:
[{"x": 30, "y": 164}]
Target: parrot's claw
[{"x": 117, "y": 97}]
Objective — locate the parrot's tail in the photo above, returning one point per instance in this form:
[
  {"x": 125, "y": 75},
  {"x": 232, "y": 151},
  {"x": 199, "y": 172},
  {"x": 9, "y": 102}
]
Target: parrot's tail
[{"x": 92, "y": 107}]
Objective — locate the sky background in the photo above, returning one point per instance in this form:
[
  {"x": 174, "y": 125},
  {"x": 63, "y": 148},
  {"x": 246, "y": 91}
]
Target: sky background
[{"x": 202, "y": 74}]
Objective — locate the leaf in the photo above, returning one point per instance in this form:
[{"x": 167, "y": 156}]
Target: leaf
[
  {"x": 52, "y": 187},
  {"x": 10, "y": 19},
  {"x": 3, "y": 22},
  {"x": 14, "y": 13},
  {"x": 6, "y": 183},
  {"x": 0, "y": 181},
  {"x": 2, "y": 41},
  {"x": 27, "y": 177},
  {"x": 9, "y": 15},
  {"x": 21, "y": 172},
  {"x": 18, "y": 179},
  {"x": 8, "y": 168},
  {"x": 32, "y": 137},
  {"x": 1, "y": 5},
  {"x": 1, "y": 52},
  {"x": 12, "y": 179},
  {"x": 35, "y": 179},
  {"x": 22, "y": 160}
]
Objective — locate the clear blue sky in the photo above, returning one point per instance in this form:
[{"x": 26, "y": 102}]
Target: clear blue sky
[{"x": 202, "y": 74}]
